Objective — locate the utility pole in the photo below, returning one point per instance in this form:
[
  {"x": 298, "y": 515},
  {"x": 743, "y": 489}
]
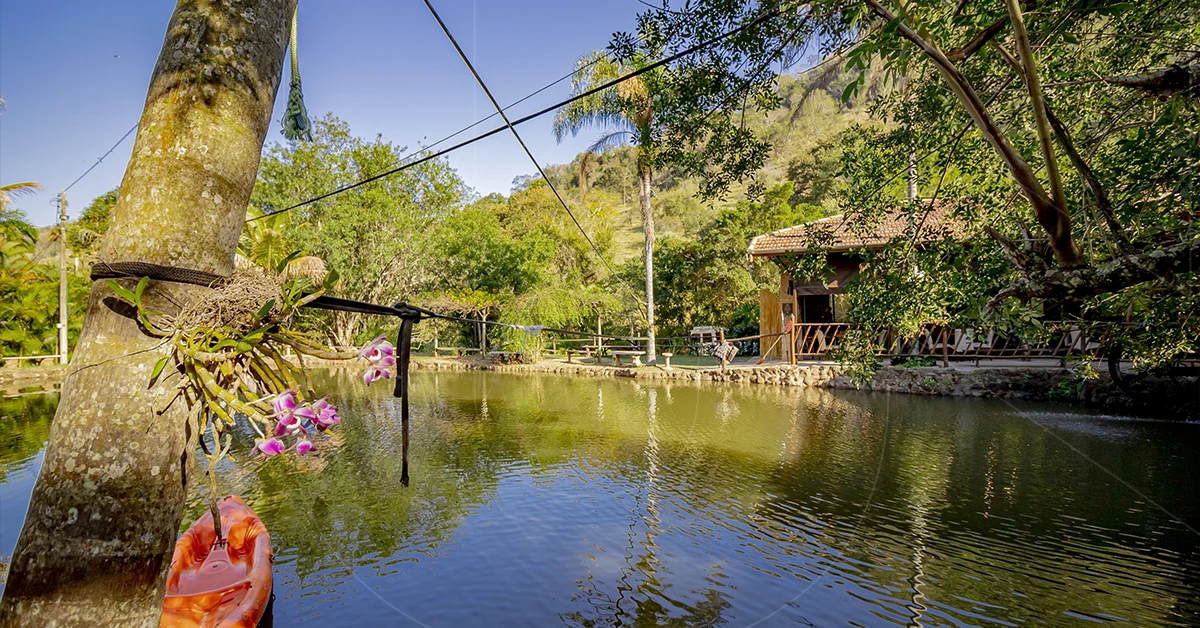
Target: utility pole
[{"x": 62, "y": 277}]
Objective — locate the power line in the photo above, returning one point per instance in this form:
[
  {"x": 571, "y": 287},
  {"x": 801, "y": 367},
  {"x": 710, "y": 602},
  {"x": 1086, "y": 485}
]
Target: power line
[
  {"x": 463, "y": 55},
  {"x": 101, "y": 159},
  {"x": 493, "y": 115},
  {"x": 537, "y": 114}
]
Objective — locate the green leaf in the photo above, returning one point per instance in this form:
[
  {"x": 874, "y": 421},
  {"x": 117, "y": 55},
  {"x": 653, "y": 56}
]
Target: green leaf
[
  {"x": 848, "y": 93},
  {"x": 257, "y": 334},
  {"x": 141, "y": 287},
  {"x": 266, "y": 308},
  {"x": 122, "y": 292},
  {"x": 331, "y": 280},
  {"x": 225, "y": 343},
  {"x": 287, "y": 260},
  {"x": 158, "y": 367},
  {"x": 892, "y": 26}
]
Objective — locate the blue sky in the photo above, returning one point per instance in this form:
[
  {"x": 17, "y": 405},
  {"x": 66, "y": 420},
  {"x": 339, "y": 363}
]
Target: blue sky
[{"x": 384, "y": 66}]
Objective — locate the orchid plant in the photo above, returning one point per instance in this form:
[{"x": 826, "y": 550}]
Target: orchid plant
[{"x": 229, "y": 354}]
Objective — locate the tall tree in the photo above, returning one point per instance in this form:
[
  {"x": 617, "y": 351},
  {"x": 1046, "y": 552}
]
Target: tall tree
[
  {"x": 376, "y": 236},
  {"x": 626, "y": 111},
  {"x": 108, "y": 501}
]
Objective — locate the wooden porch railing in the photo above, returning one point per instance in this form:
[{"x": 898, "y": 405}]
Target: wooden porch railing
[{"x": 816, "y": 340}]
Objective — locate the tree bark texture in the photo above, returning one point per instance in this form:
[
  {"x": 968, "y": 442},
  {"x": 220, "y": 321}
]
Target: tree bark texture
[
  {"x": 644, "y": 180},
  {"x": 106, "y": 508}
]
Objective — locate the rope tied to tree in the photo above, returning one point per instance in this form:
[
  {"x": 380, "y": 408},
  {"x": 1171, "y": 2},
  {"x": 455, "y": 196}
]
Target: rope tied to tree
[{"x": 296, "y": 126}]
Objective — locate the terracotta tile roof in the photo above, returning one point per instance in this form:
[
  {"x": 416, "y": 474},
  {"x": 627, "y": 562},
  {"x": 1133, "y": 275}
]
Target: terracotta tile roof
[{"x": 835, "y": 233}]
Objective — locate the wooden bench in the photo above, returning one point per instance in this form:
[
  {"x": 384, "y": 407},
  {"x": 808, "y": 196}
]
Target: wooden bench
[
  {"x": 507, "y": 357},
  {"x": 636, "y": 356},
  {"x": 460, "y": 351}
]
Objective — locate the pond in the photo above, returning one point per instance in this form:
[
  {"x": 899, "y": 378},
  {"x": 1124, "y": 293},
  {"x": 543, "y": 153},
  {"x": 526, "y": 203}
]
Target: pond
[{"x": 542, "y": 501}]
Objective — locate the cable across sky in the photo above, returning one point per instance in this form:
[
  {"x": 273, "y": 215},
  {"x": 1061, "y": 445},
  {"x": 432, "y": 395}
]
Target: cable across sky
[{"x": 537, "y": 114}]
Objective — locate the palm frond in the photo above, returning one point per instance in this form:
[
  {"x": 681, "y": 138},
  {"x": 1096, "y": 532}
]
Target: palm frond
[
  {"x": 8, "y": 192},
  {"x": 609, "y": 141},
  {"x": 601, "y": 109}
]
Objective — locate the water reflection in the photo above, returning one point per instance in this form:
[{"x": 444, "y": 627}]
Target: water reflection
[{"x": 582, "y": 502}]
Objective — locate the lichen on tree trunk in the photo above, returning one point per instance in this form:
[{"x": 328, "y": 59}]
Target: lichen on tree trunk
[{"x": 108, "y": 501}]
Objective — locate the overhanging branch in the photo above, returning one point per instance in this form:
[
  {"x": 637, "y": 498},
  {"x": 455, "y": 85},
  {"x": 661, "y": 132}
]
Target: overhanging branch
[
  {"x": 1112, "y": 276},
  {"x": 1162, "y": 81}
]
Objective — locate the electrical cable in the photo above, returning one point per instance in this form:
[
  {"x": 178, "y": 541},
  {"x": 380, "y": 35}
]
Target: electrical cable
[
  {"x": 537, "y": 114},
  {"x": 101, "y": 159},
  {"x": 500, "y": 110}
]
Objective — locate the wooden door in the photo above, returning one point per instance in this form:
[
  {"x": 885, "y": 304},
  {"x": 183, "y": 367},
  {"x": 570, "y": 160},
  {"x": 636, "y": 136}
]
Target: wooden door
[{"x": 770, "y": 321}]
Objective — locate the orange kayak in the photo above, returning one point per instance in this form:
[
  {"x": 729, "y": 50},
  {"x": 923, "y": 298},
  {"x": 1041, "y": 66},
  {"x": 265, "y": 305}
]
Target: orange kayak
[{"x": 226, "y": 585}]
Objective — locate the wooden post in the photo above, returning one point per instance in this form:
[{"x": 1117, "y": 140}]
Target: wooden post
[
  {"x": 435, "y": 337},
  {"x": 792, "y": 344},
  {"x": 945, "y": 349},
  {"x": 721, "y": 339}
]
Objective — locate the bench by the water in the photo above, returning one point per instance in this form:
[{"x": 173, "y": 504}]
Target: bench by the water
[
  {"x": 636, "y": 356},
  {"x": 598, "y": 350}
]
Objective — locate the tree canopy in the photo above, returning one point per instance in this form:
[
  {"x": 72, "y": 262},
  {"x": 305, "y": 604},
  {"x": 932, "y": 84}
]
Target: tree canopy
[{"x": 1062, "y": 134}]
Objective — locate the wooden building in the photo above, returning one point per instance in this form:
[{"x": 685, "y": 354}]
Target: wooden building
[{"x": 815, "y": 299}]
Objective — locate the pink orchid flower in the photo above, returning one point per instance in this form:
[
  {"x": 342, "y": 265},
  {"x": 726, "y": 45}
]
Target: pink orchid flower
[
  {"x": 290, "y": 425},
  {"x": 269, "y": 447},
  {"x": 375, "y": 373},
  {"x": 378, "y": 350},
  {"x": 326, "y": 414},
  {"x": 305, "y": 413},
  {"x": 284, "y": 403},
  {"x": 303, "y": 446}
]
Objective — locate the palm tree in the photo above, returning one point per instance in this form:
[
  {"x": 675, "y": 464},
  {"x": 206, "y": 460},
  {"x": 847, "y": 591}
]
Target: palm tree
[{"x": 625, "y": 111}]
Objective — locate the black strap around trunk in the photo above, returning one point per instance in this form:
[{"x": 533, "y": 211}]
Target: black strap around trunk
[{"x": 404, "y": 347}]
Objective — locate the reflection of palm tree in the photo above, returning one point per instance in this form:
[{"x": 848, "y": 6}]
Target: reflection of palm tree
[{"x": 626, "y": 107}]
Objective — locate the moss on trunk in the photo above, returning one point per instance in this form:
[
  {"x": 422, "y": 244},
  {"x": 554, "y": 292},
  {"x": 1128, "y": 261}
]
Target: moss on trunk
[{"x": 108, "y": 501}]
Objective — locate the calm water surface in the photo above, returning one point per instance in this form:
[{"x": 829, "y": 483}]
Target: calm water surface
[{"x": 540, "y": 501}]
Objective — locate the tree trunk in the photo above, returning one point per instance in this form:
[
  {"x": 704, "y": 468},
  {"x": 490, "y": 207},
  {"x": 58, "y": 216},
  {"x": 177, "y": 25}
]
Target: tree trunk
[
  {"x": 106, "y": 508},
  {"x": 644, "y": 179}
]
